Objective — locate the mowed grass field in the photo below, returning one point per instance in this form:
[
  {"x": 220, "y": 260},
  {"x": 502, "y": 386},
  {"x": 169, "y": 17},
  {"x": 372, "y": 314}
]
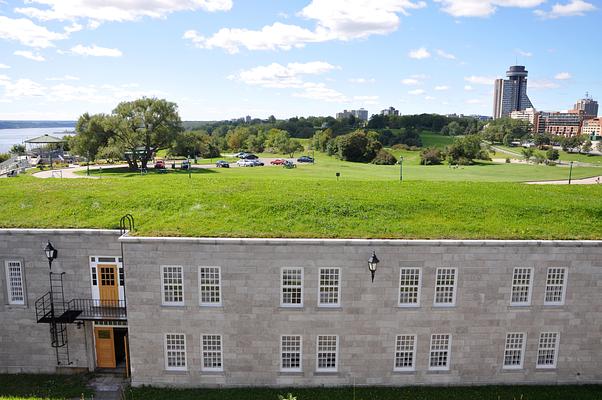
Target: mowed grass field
[{"x": 276, "y": 202}]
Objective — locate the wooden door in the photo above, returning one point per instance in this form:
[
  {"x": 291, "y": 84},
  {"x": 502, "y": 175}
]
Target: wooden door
[
  {"x": 108, "y": 285},
  {"x": 105, "y": 347}
]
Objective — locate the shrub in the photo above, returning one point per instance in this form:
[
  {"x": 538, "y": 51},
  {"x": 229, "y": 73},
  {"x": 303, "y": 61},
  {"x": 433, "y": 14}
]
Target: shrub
[
  {"x": 431, "y": 156},
  {"x": 507, "y": 160},
  {"x": 400, "y": 146},
  {"x": 552, "y": 155},
  {"x": 4, "y": 157},
  {"x": 383, "y": 157}
]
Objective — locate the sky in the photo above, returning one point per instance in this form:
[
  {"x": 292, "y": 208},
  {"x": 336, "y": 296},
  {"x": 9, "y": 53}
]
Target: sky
[{"x": 223, "y": 59}]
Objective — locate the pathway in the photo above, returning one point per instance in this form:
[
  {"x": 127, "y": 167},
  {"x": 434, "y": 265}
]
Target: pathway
[
  {"x": 585, "y": 181},
  {"x": 107, "y": 386}
]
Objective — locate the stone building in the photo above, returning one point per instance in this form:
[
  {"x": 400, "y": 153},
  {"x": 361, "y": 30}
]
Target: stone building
[{"x": 304, "y": 312}]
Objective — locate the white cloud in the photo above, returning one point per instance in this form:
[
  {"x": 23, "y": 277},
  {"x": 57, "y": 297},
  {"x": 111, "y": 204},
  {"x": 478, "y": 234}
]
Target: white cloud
[
  {"x": 410, "y": 81},
  {"x": 442, "y": 88},
  {"x": 27, "y": 33},
  {"x": 366, "y": 99},
  {"x": 282, "y": 76},
  {"x": 542, "y": 84},
  {"x": 524, "y": 53},
  {"x": 563, "y": 76},
  {"x": 319, "y": 91},
  {"x": 22, "y": 88},
  {"x": 30, "y": 55},
  {"x": 474, "y": 101},
  {"x": 95, "y": 51},
  {"x": 483, "y": 8},
  {"x": 334, "y": 20},
  {"x": 468, "y": 88},
  {"x": 419, "y": 54},
  {"x": 4, "y": 66},
  {"x": 417, "y": 92},
  {"x": 574, "y": 8},
  {"x": 115, "y": 11},
  {"x": 64, "y": 78},
  {"x": 480, "y": 80},
  {"x": 446, "y": 55},
  {"x": 429, "y": 98},
  {"x": 362, "y": 80},
  {"x": 74, "y": 27}
]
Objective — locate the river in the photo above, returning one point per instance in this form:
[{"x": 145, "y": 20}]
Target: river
[{"x": 8, "y": 137}]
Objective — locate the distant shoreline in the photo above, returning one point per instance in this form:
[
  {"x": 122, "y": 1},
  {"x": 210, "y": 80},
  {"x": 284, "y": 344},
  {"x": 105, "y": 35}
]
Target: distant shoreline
[{"x": 36, "y": 124}]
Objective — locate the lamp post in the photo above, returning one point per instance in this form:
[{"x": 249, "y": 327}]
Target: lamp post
[
  {"x": 372, "y": 264},
  {"x": 400, "y": 168},
  {"x": 570, "y": 171},
  {"x": 51, "y": 254}
]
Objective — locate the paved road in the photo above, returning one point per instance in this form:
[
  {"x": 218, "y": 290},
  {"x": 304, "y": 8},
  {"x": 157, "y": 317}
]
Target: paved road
[{"x": 585, "y": 181}]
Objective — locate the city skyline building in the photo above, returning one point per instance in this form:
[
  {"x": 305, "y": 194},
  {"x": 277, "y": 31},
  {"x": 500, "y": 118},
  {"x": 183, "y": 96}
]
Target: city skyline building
[
  {"x": 361, "y": 114},
  {"x": 588, "y": 105},
  {"x": 511, "y": 94},
  {"x": 391, "y": 111}
]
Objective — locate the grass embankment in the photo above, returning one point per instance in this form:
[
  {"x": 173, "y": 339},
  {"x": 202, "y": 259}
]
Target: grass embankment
[
  {"x": 33, "y": 386},
  {"x": 377, "y": 393},
  {"x": 246, "y": 203},
  {"x": 564, "y": 156}
]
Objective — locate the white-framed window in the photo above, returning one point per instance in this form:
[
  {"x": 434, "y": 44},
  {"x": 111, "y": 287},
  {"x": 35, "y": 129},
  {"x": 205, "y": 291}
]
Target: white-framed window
[
  {"x": 329, "y": 294},
  {"x": 547, "y": 350},
  {"x": 172, "y": 284},
  {"x": 14, "y": 282},
  {"x": 445, "y": 289},
  {"x": 210, "y": 286},
  {"x": 410, "y": 280},
  {"x": 212, "y": 355},
  {"x": 439, "y": 353},
  {"x": 514, "y": 350},
  {"x": 327, "y": 351},
  {"x": 555, "y": 286},
  {"x": 405, "y": 353},
  {"x": 522, "y": 282},
  {"x": 291, "y": 351},
  {"x": 175, "y": 352},
  {"x": 291, "y": 293}
]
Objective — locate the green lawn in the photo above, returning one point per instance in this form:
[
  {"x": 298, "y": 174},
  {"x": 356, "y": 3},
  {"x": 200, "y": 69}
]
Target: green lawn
[
  {"x": 590, "y": 392},
  {"x": 432, "y": 139},
  {"x": 564, "y": 156},
  {"x": 30, "y": 386},
  {"x": 276, "y": 202}
]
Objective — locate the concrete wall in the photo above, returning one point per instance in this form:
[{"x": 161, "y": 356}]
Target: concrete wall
[
  {"x": 251, "y": 320},
  {"x": 25, "y": 344}
]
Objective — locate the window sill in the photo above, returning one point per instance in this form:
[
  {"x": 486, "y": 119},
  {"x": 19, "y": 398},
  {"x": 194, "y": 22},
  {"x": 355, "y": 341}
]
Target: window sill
[
  {"x": 174, "y": 306},
  {"x": 409, "y": 307},
  {"x": 211, "y": 306},
  {"x": 212, "y": 373},
  {"x": 175, "y": 372},
  {"x": 519, "y": 306},
  {"x": 438, "y": 371},
  {"x": 512, "y": 370},
  {"x": 290, "y": 308},
  {"x": 290, "y": 373},
  {"x": 544, "y": 369},
  {"x": 408, "y": 372},
  {"x": 324, "y": 308},
  {"x": 326, "y": 373},
  {"x": 443, "y": 307}
]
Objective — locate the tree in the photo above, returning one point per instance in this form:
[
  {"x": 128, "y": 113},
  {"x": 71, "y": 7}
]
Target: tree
[
  {"x": 431, "y": 156},
  {"x": 599, "y": 146},
  {"x": 291, "y": 147},
  {"x": 17, "y": 149},
  {"x": 92, "y": 134},
  {"x": 587, "y": 147},
  {"x": 455, "y": 129},
  {"x": 570, "y": 143},
  {"x": 527, "y": 153},
  {"x": 194, "y": 144},
  {"x": 148, "y": 123},
  {"x": 465, "y": 149},
  {"x": 552, "y": 154},
  {"x": 383, "y": 157},
  {"x": 505, "y": 130},
  {"x": 358, "y": 146},
  {"x": 4, "y": 157},
  {"x": 321, "y": 139}
]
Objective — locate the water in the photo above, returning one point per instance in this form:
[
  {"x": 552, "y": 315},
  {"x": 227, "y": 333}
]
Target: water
[{"x": 8, "y": 137}]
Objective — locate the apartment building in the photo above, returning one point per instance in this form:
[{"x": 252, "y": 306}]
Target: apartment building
[{"x": 303, "y": 312}]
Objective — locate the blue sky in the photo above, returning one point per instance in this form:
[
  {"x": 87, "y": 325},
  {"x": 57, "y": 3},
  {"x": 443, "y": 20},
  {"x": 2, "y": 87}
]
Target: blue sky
[{"x": 222, "y": 59}]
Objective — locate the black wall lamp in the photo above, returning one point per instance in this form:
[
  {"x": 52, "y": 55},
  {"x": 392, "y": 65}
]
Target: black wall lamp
[{"x": 372, "y": 264}]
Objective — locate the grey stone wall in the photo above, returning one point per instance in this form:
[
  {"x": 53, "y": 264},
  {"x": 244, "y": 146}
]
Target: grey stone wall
[
  {"x": 25, "y": 344},
  {"x": 251, "y": 319}
]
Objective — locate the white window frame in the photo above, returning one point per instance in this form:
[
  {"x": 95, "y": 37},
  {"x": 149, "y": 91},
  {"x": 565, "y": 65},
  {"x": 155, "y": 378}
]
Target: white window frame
[
  {"x": 447, "y": 349},
  {"x": 551, "y": 286},
  {"x": 508, "y": 348},
  {"x": 171, "y": 303},
  {"x": 336, "y": 354},
  {"x": 418, "y": 287},
  {"x": 514, "y": 286},
  {"x": 282, "y": 287},
  {"x": 541, "y": 349},
  {"x": 211, "y": 286},
  {"x": 300, "y": 352},
  {"x": 338, "y": 288},
  {"x": 165, "y": 350},
  {"x": 454, "y": 287},
  {"x": 10, "y": 289},
  {"x": 397, "y": 355},
  {"x": 204, "y": 352}
]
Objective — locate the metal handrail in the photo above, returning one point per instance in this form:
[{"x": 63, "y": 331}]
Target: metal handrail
[{"x": 98, "y": 309}]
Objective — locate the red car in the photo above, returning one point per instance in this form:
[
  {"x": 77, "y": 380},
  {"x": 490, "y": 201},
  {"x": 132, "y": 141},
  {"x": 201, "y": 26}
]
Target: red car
[
  {"x": 278, "y": 161},
  {"x": 159, "y": 164}
]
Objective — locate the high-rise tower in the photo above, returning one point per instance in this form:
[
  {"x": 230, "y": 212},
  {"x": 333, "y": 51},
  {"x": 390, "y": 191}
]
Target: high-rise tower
[
  {"x": 511, "y": 94},
  {"x": 588, "y": 105}
]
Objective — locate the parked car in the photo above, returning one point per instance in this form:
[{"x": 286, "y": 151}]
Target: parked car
[
  {"x": 242, "y": 154},
  {"x": 185, "y": 164},
  {"x": 160, "y": 164},
  {"x": 289, "y": 164},
  {"x": 305, "y": 159},
  {"x": 278, "y": 161},
  {"x": 222, "y": 164},
  {"x": 257, "y": 163},
  {"x": 250, "y": 157},
  {"x": 245, "y": 163}
]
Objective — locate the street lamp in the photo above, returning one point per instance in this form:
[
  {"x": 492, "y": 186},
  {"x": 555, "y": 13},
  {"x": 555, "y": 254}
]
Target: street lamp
[
  {"x": 372, "y": 264},
  {"x": 570, "y": 171},
  {"x": 400, "y": 168},
  {"x": 51, "y": 254}
]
